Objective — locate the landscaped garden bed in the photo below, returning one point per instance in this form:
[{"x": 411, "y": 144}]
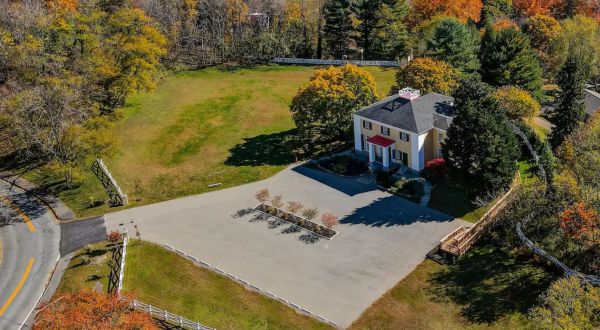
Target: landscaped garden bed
[
  {"x": 345, "y": 166},
  {"x": 316, "y": 228},
  {"x": 411, "y": 190}
]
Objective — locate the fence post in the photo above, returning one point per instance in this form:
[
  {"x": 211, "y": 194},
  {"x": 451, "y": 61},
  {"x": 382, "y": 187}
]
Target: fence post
[
  {"x": 134, "y": 304},
  {"x": 150, "y": 309},
  {"x": 165, "y": 314},
  {"x": 180, "y": 320}
]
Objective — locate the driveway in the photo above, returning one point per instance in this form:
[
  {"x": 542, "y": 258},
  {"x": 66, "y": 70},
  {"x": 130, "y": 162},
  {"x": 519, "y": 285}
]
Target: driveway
[
  {"x": 29, "y": 254},
  {"x": 382, "y": 239}
]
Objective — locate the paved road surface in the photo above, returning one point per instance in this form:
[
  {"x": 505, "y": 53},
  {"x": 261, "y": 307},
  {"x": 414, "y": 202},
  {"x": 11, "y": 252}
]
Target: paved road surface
[
  {"x": 382, "y": 239},
  {"x": 28, "y": 256}
]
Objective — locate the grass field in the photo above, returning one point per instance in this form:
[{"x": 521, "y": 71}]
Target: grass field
[
  {"x": 454, "y": 201},
  {"x": 198, "y": 128},
  {"x": 168, "y": 281},
  {"x": 489, "y": 288},
  {"x": 81, "y": 275}
]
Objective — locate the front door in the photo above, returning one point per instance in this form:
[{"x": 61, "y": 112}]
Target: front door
[{"x": 378, "y": 154}]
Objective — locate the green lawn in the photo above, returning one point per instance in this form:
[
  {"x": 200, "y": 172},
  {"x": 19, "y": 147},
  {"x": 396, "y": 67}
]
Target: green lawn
[
  {"x": 168, "y": 281},
  {"x": 489, "y": 288},
  {"x": 80, "y": 275},
  {"x": 202, "y": 127},
  {"x": 454, "y": 201}
]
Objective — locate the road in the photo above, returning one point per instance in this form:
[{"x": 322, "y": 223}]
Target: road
[{"x": 30, "y": 248}]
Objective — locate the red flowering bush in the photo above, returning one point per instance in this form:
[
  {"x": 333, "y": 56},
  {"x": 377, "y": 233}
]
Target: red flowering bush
[
  {"x": 436, "y": 167},
  {"x": 113, "y": 236}
]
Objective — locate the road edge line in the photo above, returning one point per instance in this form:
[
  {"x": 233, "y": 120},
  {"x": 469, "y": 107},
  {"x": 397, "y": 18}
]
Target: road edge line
[{"x": 42, "y": 295}]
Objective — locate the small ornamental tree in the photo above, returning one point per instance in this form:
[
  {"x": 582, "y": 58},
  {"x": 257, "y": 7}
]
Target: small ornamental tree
[
  {"x": 262, "y": 195},
  {"x": 114, "y": 236},
  {"x": 329, "y": 220},
  {"x": 436, "y": 167},
  {"x": 294, "y": 207},
  {"x": 310, "y": 214},
  {"x": 90, "y": 310},
  {"x": 516, "y": 102},
  {"x": 277, "y": 202},
  {"x": 427, "y": 75}
]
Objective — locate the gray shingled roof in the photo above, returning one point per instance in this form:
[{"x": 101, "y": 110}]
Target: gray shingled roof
[
  {"x": 592, "y": 102},
  {"x": 417, "y": 116}
]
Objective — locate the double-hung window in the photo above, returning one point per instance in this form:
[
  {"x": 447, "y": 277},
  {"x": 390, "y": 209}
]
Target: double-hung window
[
  {"x": 385, "y": 131},
  {"x": 440, "y": 153},
  {"x": 367, "y": 124},
  {"x": 404, "y": 136},
  {"x": 440, "y": 137}
]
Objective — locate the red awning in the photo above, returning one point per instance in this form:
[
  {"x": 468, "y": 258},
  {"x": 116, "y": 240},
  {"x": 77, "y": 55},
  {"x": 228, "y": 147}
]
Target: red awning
[{"x": 381, "y": 141}]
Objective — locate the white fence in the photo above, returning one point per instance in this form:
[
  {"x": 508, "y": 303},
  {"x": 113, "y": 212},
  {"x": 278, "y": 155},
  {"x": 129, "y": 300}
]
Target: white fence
[
  {"x": 336, "y": 62},
  {"x": 122, "y": 270},
  {"x": 163, "y": 314}
]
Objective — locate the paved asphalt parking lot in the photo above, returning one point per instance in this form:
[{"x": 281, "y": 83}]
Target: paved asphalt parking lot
[{"x": 382, "y": 239}]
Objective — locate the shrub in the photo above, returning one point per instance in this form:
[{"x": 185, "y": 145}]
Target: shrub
[
  {"x": 399, "y": 185},
  {"x": 339, "y": 168},
  {"x": 310, "y": 214},
  {"x": 382, "y": 178},
  {"x": 294, "y": 207},
  {"x": 114, "y": 236},
  {"x": 88, "y": 248},
  {"x": 436, "y": 167},
  {"x": 277, "y": 202},
  {"x": 262, "y": 195},
  {"x": 329, "y": 220}
]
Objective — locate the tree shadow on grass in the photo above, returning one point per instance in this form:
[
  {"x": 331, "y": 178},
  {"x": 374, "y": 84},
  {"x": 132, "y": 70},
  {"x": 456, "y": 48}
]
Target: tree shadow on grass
[
  {"x": 490, "y": 282},
  {"x": 265, "y": 149}
]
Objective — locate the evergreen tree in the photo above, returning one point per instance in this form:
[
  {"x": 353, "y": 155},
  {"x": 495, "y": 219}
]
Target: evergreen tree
[
  {"x": 496, "y": 9},
  {"x": 338, "y": 27},
  {"x": 507, "y": 59},
  {"x": 381, "y": 31},
  {"x": 571, "y": 107},
  {"x": 480, "y": 149},
  {"x": 455, "y": 43}
]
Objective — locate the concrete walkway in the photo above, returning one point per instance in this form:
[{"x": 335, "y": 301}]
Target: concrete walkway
[{"x": 382, "y": 239}]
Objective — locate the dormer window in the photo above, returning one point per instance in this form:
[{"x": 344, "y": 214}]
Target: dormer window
[
  {"x": 367, "y": 124},
  {"x": 385, "y": 131}
]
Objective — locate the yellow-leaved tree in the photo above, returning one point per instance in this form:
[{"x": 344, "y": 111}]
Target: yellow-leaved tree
[
  {"x": 324, "y": 107},
  {"x": 517, "y": 102},
  {"x": 427, "y": 75}
]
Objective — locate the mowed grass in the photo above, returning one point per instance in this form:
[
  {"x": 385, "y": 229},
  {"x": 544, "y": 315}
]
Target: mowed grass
[
  {"x": 80, "y": 276},
  {"x": 489, "y": 288},
  {"x": 454, "y": 200},
  {"x": 168, "y": 281},
  {"x": 198, "y": 128}
]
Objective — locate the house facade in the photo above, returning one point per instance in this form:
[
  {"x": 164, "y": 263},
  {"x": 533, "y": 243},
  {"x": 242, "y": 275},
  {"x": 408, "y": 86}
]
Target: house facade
[{"x": 403, "y": 129}]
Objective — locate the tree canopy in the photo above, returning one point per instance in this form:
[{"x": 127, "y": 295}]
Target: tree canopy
[
  {"x": 507, "y": 59},
  {"x": 90, "y": 310},
  {"x": 516, "y": 102},
  {"x": 461, "y": 9},
  {"x": 325, "y": 105},
  {"x": 480, "y": 149},
  {"x": 455, "y": 43},
  {"x": 427, "y": 75}
]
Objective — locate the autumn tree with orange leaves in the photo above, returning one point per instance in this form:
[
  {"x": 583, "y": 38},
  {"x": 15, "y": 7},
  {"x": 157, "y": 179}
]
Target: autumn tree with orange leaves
[
  {"x": 90, "y": 310},
  {"x": 582, "y": 223},
  {"x": 461, "y": 9}
]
